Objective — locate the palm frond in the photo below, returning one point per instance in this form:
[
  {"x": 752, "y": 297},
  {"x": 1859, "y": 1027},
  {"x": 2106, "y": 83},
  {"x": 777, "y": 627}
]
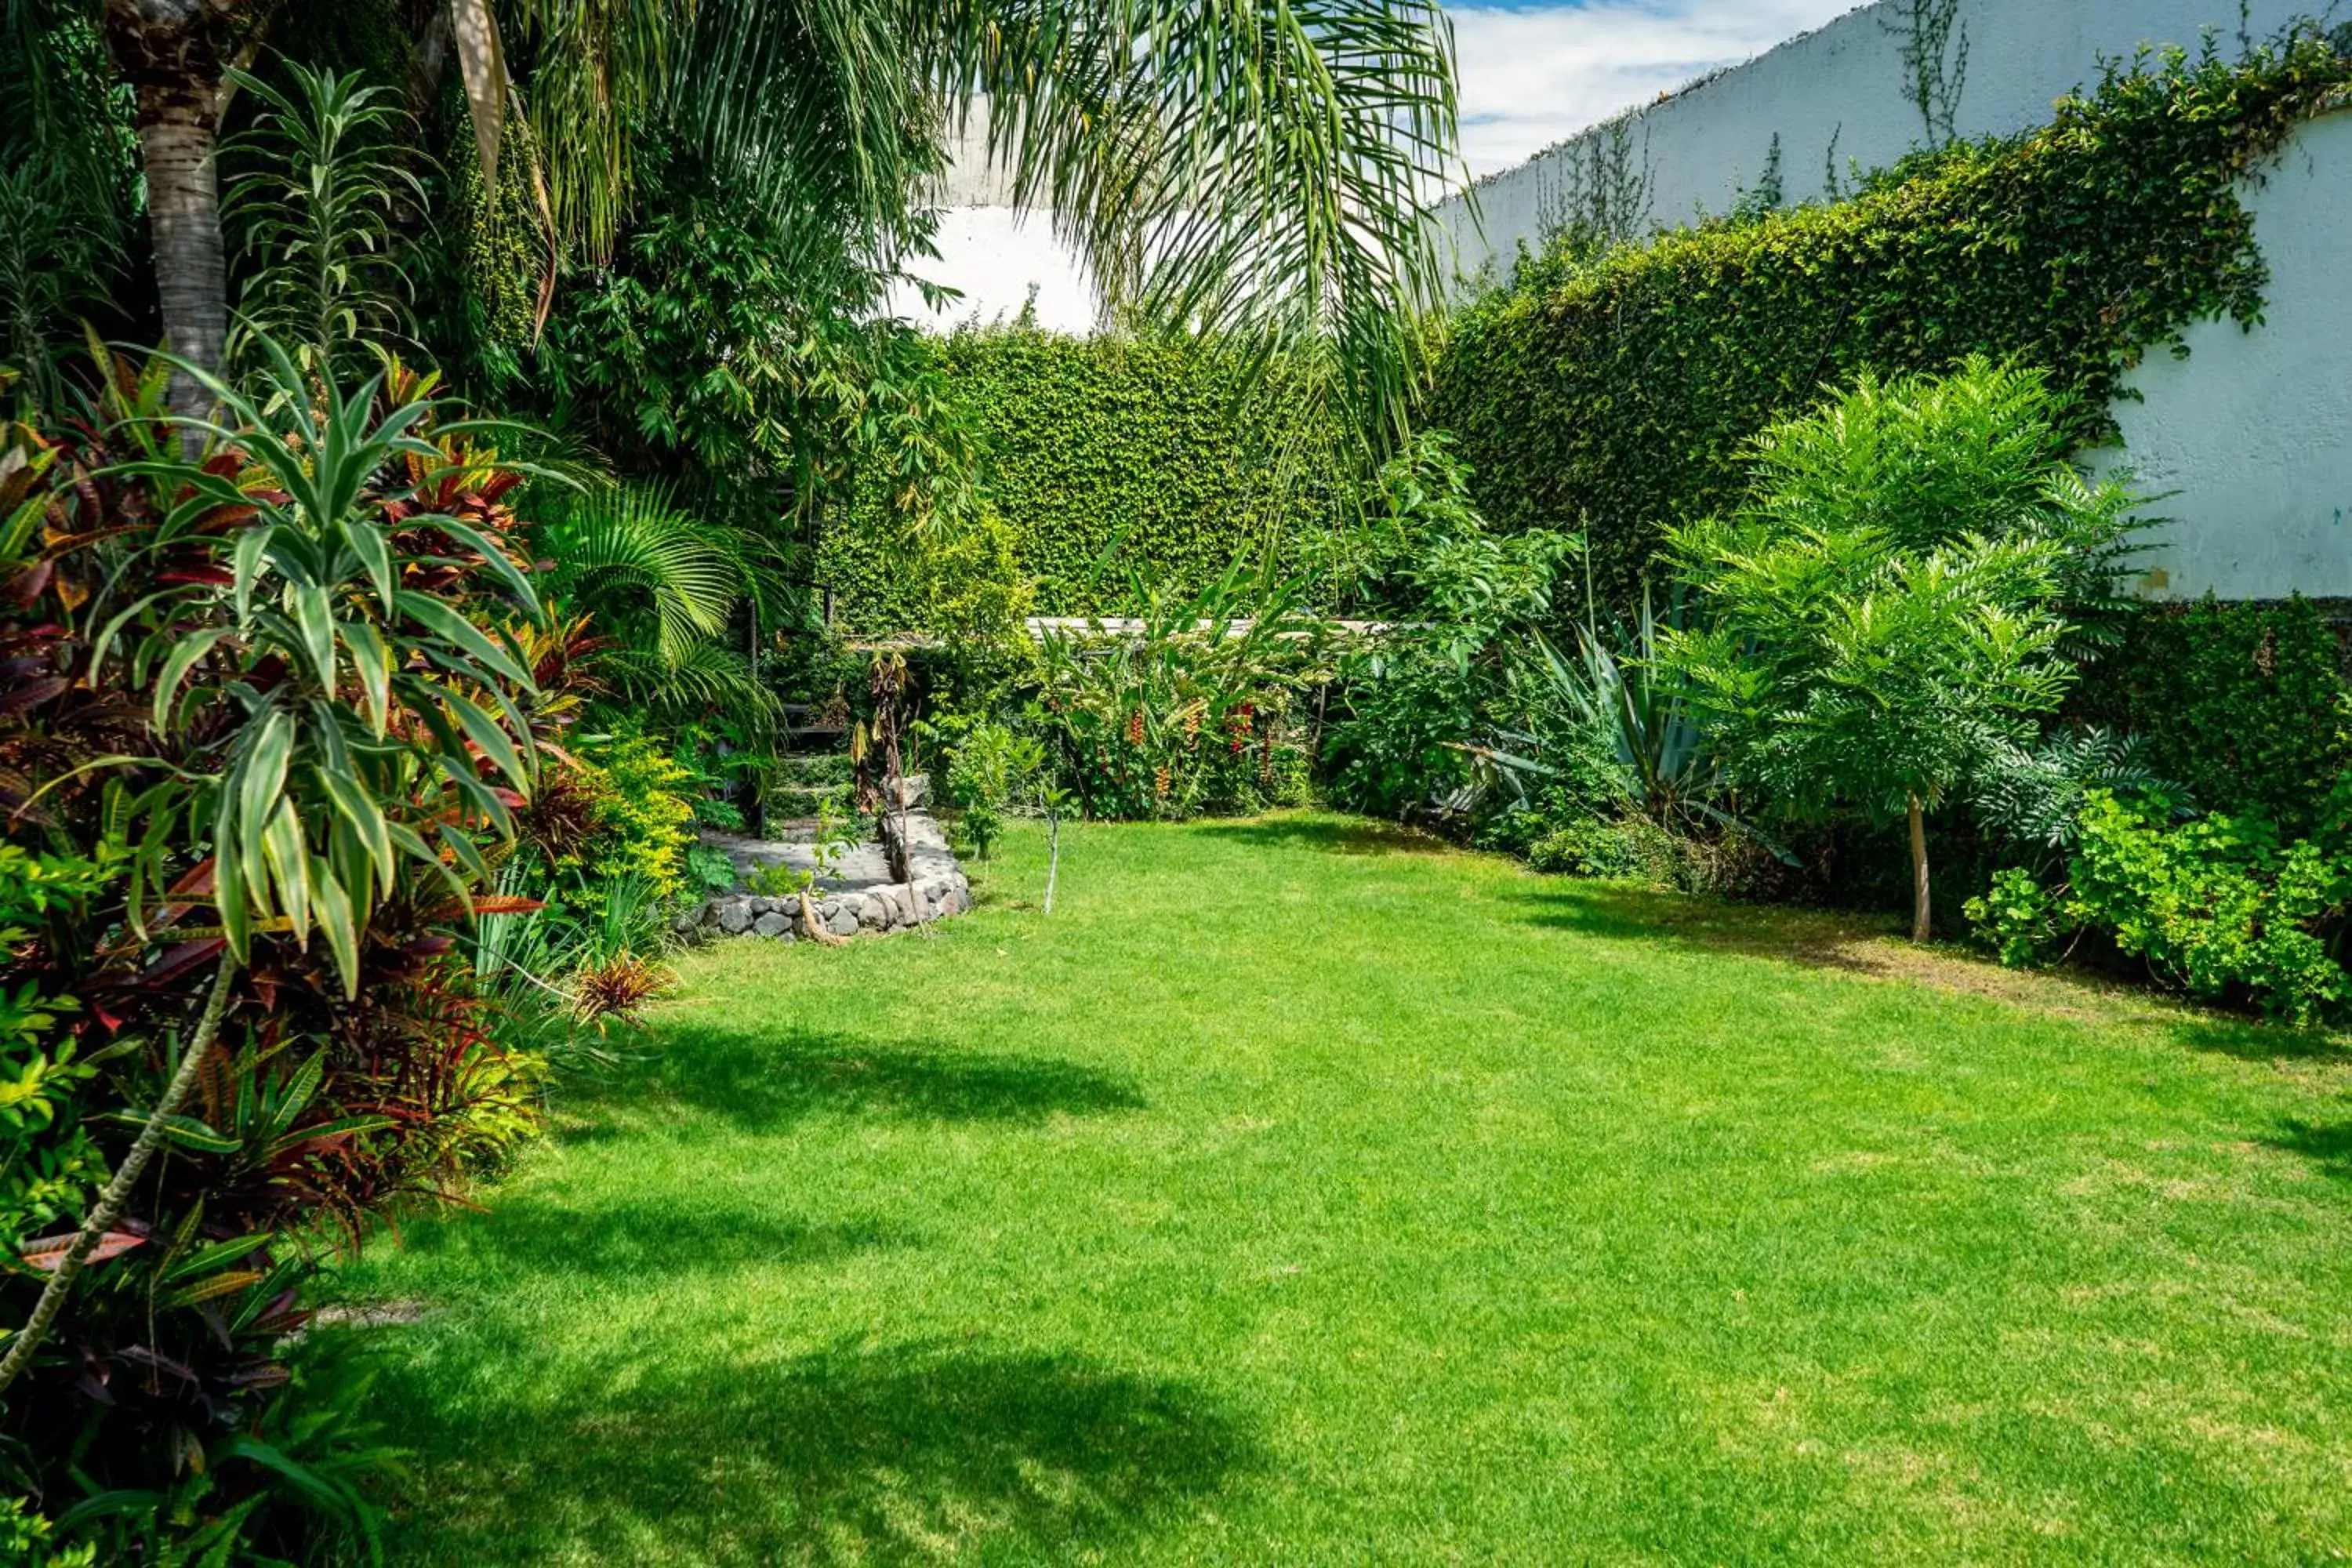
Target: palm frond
[
  {"x": 1264, "y": 168},
  {"x": 628, "y": 547},
  {"x": 709, "y": 678}
]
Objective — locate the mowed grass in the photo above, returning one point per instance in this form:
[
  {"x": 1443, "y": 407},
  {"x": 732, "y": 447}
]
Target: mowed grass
[{"x": 1299, "y": 1192}]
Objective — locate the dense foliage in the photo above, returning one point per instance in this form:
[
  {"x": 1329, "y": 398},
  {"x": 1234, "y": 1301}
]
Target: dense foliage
[
  {"x": 1186, "y": 702},
  {"x": 2243, "y": 705},
  {"x": 2219, "y": 905},
  {"x": 268, "y": 736},
  {"x": 1888, "y": 615},
  {"x": 1616, "y": 395},
  {"x": 1441, "y": 675},
  {"x": 1170, "y": 456}
]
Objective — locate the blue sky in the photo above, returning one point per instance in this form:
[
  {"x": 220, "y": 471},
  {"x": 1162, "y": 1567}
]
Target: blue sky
[{"x": 1534, "y": 72}]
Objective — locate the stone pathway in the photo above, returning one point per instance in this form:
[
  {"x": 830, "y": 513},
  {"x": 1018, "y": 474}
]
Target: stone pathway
[{"x": 857, "y": 893}]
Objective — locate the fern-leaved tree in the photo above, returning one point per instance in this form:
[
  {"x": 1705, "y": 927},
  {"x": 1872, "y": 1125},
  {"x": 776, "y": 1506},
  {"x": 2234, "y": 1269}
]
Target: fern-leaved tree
[{"x": 1895, "y": 609}]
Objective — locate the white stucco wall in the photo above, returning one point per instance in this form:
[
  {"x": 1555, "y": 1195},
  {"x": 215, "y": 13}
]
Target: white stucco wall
[
  {"x": 2252, "y": 433},
  {"x": 995, "y": 256},
  {"x": 1846, "y": 81}
]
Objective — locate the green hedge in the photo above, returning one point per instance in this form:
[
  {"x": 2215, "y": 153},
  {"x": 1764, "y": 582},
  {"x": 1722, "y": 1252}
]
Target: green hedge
[
  {"x": 1083, "y": 438},
  {"x": 2243, "y": 704},
  {"x": 1616, "y": 393}
]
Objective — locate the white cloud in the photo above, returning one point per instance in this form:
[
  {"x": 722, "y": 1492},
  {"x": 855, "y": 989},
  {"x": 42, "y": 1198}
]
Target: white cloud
[{"x": 1530, "y": 77}]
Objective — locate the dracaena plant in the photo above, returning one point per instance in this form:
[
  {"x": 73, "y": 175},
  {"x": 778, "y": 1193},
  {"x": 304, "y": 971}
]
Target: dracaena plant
[
  {"x": 347, "y": 703},
  {"x": 291, "y": 645}
]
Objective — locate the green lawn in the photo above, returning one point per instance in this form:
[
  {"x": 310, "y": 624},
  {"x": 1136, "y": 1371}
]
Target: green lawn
[{"x": 1299, "y": 1193}]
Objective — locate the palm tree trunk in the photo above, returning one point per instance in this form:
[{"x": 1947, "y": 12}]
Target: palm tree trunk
[
  {"x": 168, "y": 51},
  {"x": 1921, "y": 925}
]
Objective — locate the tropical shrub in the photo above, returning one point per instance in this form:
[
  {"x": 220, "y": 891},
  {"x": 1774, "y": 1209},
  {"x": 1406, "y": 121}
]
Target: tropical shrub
[
  {"x": 46, "y": 1160},
  {"x": 1890, "y": 610},
  {"x": 1186, "y": 708},
  {"x": 661, "y": 585},
  {"x": 643, "y": 810},
  {"x": 1617, "y": 738},
  {"x": 269, "y": 733},
  {"x": 1458, "y": 611}
]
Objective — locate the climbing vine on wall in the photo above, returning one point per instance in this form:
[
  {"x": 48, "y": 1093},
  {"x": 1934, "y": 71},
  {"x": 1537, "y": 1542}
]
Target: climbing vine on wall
[{"x": 1617, "y": 393}]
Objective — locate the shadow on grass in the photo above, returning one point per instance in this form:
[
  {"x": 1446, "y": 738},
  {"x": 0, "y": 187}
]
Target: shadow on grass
[
  {"x": 765, "y": 1080},
  {"x": 1854, "y": 942},
  {"x": 642, "y": 1240},
  {"x": 918, "y": 1453},
  {"x": 2251, "y": 1040},
  {"x": 1341, "y": 837},
  {"x": 2327, "y": 1146},
  {"x": 1817, "y": 939}
]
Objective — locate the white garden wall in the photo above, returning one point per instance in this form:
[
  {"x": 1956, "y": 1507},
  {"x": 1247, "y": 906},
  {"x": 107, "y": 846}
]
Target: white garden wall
[{"x": 2253, "y": 432}]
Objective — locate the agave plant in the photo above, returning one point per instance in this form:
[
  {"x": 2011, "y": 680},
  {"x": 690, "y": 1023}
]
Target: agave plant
[{"x": 1614, "y": 686}]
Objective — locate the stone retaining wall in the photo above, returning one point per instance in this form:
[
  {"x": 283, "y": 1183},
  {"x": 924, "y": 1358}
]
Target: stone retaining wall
[{"x": 845, "y": 908}]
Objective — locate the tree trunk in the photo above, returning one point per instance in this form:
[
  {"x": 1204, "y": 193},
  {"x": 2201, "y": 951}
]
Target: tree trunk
[
  {"x": 116, "y": 1195},
  {"x": 1053, "y": 854},
  {"x": 1921, "y": 925},
  {"x": 168, "y": 51}
]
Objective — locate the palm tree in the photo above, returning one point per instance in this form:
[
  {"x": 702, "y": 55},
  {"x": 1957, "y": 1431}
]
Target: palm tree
[{"x": 1263, "y": 166}]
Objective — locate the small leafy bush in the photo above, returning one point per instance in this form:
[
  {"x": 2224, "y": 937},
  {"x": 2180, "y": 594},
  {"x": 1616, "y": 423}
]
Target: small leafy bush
[
  {"x": 643, "y": 812},
  {"x": 1605, "y": 848},
  {"x": 2022, "y": 920},
  {"x": 778, "y": 880},
  {"x": 2221, "y": 906},
  {"x": 711, "y": 870},
  {"x": 987, "y": 763},
  {"x": 1430, "y": 696}
]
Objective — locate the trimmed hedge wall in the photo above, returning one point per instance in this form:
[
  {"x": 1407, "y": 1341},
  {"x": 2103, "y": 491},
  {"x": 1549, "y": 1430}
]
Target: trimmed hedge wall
[
  {"x": 2244, "y": 704},
  {"x": 1081, "y": 438},
  {"x": 1616, "y": 393}
]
